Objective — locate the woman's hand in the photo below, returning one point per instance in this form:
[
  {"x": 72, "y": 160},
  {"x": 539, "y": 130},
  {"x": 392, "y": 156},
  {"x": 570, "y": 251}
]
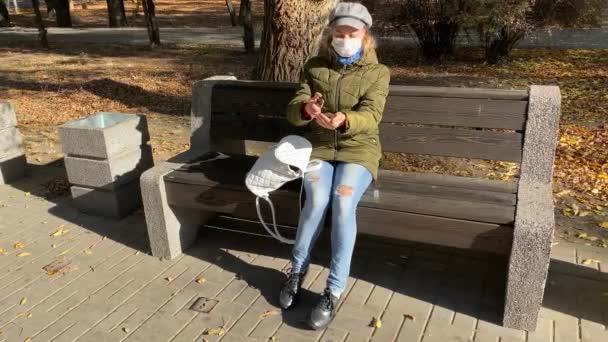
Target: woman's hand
[
  {"x": 331, "y": 123},
  {"x": 314, "y": 105}
]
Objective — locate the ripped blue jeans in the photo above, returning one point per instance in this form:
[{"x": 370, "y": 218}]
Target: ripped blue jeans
[{"x": 342, "y": 185}]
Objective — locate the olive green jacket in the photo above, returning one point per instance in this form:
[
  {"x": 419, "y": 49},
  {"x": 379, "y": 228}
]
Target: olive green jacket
[{"x": 358, "y": 90}]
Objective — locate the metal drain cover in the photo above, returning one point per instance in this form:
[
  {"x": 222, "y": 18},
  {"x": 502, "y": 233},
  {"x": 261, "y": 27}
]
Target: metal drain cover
[{"x": 204, "y": 305}]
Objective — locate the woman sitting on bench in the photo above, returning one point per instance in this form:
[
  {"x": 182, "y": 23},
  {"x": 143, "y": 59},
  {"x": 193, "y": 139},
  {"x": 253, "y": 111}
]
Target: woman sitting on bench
[{"x": 350, "y": 89}]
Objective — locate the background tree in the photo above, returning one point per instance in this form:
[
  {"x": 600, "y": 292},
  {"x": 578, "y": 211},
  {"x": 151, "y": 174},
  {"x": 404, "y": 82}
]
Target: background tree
[
  {"x": 292, "y": 30},
  {"x": 41, "y": 29},
  {"x": 5, "y": 19},
  {"x": 151, "y": 22},
  {"x": 500, "y": 25},
  {"x": 435, "y": 23},
  {"x": 246, "y": 21},
  {"x": 116, "y": 13},
  {"x": 230, "y": 7},
  {"x": 62, "y": 12}
]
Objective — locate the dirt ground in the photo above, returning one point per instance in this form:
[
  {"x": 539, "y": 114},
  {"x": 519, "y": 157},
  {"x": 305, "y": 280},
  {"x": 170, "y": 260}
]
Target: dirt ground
[{"x": 74, "y": 81}]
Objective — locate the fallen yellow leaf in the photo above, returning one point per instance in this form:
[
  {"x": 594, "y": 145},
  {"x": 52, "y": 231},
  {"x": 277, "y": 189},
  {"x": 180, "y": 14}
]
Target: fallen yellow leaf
[
  {"x": 377, "y": 323},
  {"x": 60, "y": 232},
  {"x": 214, "y": 331},
  {"x": 590, "y": 261},
  {"x": 64, "y": 252},
  {"x": 54, "y": 245},
  {"x": 125, "y": 329},
  {"x": 22, "y": 254},
  {"x": 29, "y": 315},
  {"x": 29, "y": 339},
  {"x": 201, "y": 280},
  {"x": 603, "y": 224},
  {"x": 603, "y": 176},
  {"x": 563, "y": 193},
  {"x": 88, "y": 252},
  {"x": 23, "y": 301},
  {"x": 269, "y": 313},
  {"x": 2, "y": 251},
  {"x": 19, "y": 245}
]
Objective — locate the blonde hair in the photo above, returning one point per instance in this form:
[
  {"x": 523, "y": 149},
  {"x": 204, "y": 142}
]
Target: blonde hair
[{"x": 369, "y": 42}]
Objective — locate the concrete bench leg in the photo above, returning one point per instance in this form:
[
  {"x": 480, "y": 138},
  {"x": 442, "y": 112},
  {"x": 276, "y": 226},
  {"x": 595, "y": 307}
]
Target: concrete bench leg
[
  {"x": 534, "y": 218},
  {"x": 170, "y": 229}
]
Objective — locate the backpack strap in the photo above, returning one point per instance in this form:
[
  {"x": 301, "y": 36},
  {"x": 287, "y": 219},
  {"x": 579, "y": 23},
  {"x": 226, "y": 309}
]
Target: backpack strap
[{"x": 275, "y": 234}]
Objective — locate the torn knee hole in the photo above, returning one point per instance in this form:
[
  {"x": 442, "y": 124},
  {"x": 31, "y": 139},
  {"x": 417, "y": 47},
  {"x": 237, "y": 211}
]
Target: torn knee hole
[
  {"x": 314, "y": 178},
  {"x": 344, "y": 190}
]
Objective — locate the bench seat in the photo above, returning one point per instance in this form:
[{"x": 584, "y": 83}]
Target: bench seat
[{"x": 449, "y": 210}]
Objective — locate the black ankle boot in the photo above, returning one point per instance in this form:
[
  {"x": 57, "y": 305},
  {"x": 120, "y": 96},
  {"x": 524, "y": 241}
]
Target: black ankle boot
[
  {"x": 324, "y": 312},
  {"x": 289, "y": 292}
]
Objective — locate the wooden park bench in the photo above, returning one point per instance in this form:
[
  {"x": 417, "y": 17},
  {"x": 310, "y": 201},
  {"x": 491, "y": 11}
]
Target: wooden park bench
[{"x": 515, "y": 219}]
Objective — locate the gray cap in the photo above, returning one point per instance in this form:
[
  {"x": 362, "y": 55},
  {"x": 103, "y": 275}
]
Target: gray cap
[{"x": 350, "y": 14}]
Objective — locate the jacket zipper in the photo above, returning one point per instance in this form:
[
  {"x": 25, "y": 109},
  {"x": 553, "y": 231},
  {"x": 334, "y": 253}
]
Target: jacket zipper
[{"x": 337, "y": 103}]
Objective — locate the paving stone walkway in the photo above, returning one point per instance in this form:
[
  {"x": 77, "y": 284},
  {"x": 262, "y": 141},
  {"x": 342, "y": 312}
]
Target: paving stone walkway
[{"x": 113, "y": 290}]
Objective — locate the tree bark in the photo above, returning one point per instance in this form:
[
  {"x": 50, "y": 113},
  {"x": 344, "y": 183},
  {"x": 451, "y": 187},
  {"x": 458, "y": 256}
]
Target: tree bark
[
  {"x": 5, "y": 18},
  {"x": 231, "y": 11},
  {"x": 41, "y": 29},
  {"x": 62, "y": 12},
  {"x": 116, "y": 13},
  {"x": 248, "y": 32},
  {"x": 292, "y": 31},
  {"x": 15, "y": 6},
  {"x": 151, "y": 22}
]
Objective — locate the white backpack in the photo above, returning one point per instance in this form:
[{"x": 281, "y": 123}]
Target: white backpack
[{"x": 275, "y": 168}]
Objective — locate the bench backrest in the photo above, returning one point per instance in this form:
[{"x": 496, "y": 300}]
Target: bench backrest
[{"x": 246, "y": 116}]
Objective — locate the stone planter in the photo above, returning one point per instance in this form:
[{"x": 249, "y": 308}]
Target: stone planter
[
  {"x": 12, "y": 158},
  {"x": 104, "y": 156}
]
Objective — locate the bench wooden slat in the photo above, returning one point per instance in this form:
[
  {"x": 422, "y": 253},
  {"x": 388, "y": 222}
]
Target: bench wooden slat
[
  {"x": 505, "y": 114},
  {"x": 251, "y": 127},
  {"x": 251, "y": 99},
  {"x": 482, "y": 237},
  {"x": 464, "y": 143},
  {"x": 429, "y": 190},
  {"x": 464, "y": 234},
  {"x": 448, "y": 181},
  {"x": 466, "y": 93}
]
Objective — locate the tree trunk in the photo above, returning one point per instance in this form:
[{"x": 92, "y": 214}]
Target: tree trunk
[
  {"x": 245, "y": 19},
  {"x": 292, "y": 31},
  {"x": 116, "y": 13},
  {"x": 5, "y": 19},
  {"x": 62, "y": 12},
  {"x": 15, "y": 6},
  {"x": 41, "y": 29},
  {"x": 231, "y": 11},
  {"x": 151, "y": 23}
]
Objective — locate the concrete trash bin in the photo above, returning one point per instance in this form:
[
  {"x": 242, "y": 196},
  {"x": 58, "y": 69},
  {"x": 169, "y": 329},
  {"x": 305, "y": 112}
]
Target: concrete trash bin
[
  {"x": 12, "y": 158},
  {"x": 105, "y": 155}
]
